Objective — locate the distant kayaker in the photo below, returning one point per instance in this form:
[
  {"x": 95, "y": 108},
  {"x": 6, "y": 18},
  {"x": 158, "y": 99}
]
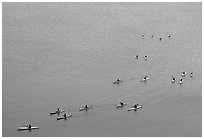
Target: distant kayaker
[
  {"x": 135, "y": 106},
  {"x": 191, "y": 75},
  {"x": 143, "y": 36},
  {"x": 160, "y": 39},
  {"x": 181, "y": 81},
  {"x": 183, "y": 73},
  {"x": 65, "y": 115},
  {"x": 136, "y": 57},
  {"x": 117, "y": 81},
  {"x": 173, "y": 79},
  {"x": 169, "y": 36},
  {"x": 86, "y": 107},
  {"x": 145, "y": 78},
  {"x": 29, "y": 126},
  {"x": 58, "y": 110},
  {"x": 121, "y": 103},
  {"x": 145, "y": 57}
]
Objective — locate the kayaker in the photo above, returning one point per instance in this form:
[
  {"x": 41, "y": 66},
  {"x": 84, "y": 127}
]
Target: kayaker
[
  {"x": 58, "y": 110},
  {"x": 145, "y": 57},
  {"x": 135, "y": 106},
  {"x": 65, "y": 115},
  {"x": 86, "y": 107},
  {"x": 136, "y": 57},
  {"x": 29, "y": 126},
  {"x": 183, "y": 73},
  {"x": 173, "y": 79},
  {"x": 121, "y": 103},
  {"x": 191, "y": 75},
  {"x": 181, "y": 81},
  {"x": 160, "y": 39},
  {"x": 145, "y": 78}
]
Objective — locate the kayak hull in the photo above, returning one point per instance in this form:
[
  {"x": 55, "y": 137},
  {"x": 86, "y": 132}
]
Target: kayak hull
[
  {"x": 52, "y": 113},
  {"x": 120, "y": 106},
  {"x": 138, "y": 107},
  {"x": 85, "y": 109},
  {"x": 63, "y": 118},
  {"x": 144, "y": 80},
  {"x": 26, "y": 128}
]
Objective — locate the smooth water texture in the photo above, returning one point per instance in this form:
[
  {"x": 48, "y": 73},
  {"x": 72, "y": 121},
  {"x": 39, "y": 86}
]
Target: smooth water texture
[{"x": 68, "y": 54}]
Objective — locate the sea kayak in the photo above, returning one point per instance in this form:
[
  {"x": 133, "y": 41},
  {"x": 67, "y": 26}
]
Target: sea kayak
[
  {"x": 144, "y": 80},
  {"x": 85, "y": 109},
  {"x": 120, "y": 106},
  {"x": 133, "y": 108},
  {"x": 117, "y": 82},
  {"x": 27, "y": 128},
  {"x": 57, "y": 112},
  {"x": 64, "y": 118}
]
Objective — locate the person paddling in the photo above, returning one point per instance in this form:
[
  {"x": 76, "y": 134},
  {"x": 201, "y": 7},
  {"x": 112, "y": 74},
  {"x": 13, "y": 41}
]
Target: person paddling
[
  {"x": 145, "y": 57},
  {"x": 122, "y": 103},
  {"x": 173, "y": 79},
  {"x": 181, "y": 81},
  {"x": 65, "y": 116},
  {"x": 29, "y": 126},
  {"x": 160, "y": 39},
  {"x": 136, "y": 57},
  {"x": 135, "y": 106}
]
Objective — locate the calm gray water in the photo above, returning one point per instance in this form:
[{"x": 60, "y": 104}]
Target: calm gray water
[{"x": 68, "y": 54}]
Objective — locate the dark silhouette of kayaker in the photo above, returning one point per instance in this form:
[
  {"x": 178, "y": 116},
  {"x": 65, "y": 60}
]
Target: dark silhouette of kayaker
[
  {"x": 191, "y": 75},
  {"x": 136, "y": 56},
  {"x": 65, "y": 116},
  {"x": 121, "y": 103},
  {"x": 29, "y": 126},
  {"x": 58, "y": 110},
  {"x": 86, "y": 107},
  {"x": 135, "y": 106}
]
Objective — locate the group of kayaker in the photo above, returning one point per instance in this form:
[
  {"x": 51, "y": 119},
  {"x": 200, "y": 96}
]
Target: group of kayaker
[
  {"x": 66, "y": 116},
  {"x": 143, "y": 36},
  {"x": 122, "y": 104},
  {"x": 182, "y": 75},
  {"x": 137, "y": 57}
]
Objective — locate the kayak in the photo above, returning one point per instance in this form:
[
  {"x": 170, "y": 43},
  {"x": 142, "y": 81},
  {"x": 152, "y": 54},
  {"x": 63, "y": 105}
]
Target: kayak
[
  {"x": 117, "y": 82},
  {"x": 138, "y": 107},
  {"x": 26, "y": 128},
  {"x": 57, "y": 112},
  {"x": 63, "y": 118},
  {"x": 173, "y": 81},
  {"x": 120, "y": 106},
  {"x": 144, "y": 80},
  {"x": 85, "y": 109}
]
